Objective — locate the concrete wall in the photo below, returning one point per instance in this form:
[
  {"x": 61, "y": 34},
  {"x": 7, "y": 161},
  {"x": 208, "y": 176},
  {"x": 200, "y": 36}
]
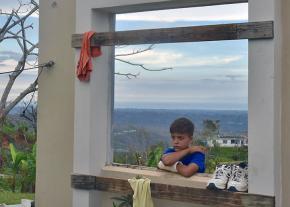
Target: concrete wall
[
  {"x": 285, "y": 143},
  {"x": 55, "y": 105},
  {"x": 92, "y": 102},
  {"x": 95, "y": 98},
  {"x": 262, "y": 114}
]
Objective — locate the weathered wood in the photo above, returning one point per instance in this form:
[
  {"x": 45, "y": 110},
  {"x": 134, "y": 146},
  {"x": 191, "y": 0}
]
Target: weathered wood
[
  {"x": 173, "y": 4},
  {"x": 87, "y": 182},
  {"x": 252, "y": 30},
  {"x": 176, "y": 193}
]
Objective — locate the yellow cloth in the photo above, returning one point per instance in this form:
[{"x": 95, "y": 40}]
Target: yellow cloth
[{"x": 142, "y": 192}]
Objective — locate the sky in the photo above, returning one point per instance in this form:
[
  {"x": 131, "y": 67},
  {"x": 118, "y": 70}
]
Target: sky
[
  {"x": 10, "y": 53},
  {"x": 205, "y": 75}
]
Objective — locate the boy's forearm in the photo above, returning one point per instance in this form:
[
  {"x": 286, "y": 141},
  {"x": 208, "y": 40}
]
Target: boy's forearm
[
  {"x": 171, "y": 158},
  {"x": 187, "y": 171}
]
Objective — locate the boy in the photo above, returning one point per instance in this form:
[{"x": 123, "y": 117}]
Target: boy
[{"x": 181, "y": 157}]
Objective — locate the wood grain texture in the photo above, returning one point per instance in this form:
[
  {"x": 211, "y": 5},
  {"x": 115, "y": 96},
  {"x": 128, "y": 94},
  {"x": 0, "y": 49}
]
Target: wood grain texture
[
  {"x": 175, "y": 193},
  {"x": 172, "y": 4},
  {"x": 251, "y": 30}
]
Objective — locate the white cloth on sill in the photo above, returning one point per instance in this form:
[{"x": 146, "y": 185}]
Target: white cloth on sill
[{"x": 172, "y": 168}]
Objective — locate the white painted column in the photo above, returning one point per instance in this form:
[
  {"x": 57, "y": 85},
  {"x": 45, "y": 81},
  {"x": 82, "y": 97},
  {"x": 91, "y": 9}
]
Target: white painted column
[
  {"x": 264, "y": 114},
  {"x": 93, "y": 107}
]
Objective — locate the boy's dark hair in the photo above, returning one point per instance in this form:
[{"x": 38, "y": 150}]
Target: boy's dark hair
[{"x": 183, "y": 126}]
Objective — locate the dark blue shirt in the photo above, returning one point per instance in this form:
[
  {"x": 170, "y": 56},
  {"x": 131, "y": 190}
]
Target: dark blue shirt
[{"x": 197, "y": 158}]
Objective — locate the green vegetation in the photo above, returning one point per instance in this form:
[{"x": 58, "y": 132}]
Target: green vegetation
[
  {"x": 218, "y": 155},
  {"x": 123, "y": 201},
  {"x": 154, "y": 156},
  {"x": 18, "y": 158},
  {"x": 10, "y": 198}
]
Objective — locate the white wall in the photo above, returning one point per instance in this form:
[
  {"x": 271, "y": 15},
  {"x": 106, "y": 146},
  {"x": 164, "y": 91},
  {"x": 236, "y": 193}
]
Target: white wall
[
  {"x": 93, "y": 106},
  {"x": 264, "y": 113},
  {"x": 55, "y": 118},
  {"x": 93, "y": 100},
  {"x": 282, "y": 150}
]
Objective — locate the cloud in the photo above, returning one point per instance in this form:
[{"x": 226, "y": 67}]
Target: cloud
[
  {"x": 22, "y": 82},
  {"x": 11, "y": 55},
  {"x": 7, "y": 55},
  {"x": 209, "y": 13},
  {"x": 8, "y": 5},
  {"x": 7, "y": 65},
  {"x": 181, "y": 93},
  {"x": 234, "y": 77},
  {"x": 175, "y": 59},
  {"x": 10, "y": 64}
]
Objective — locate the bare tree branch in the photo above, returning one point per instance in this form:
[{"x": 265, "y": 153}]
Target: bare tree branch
[
  {"x": 14, "y": 36},
  {"x": 10, "y": 106},
  {"x": 22, "y": 18},
  {"x": 128, "y": 75},
  {"x": 18, "y": 69},
  {"x": 135, "y": 52},
  {"x": 142, "y": 65},
  {"x": 6, "y": 24},
  {"x": 15, "y": 28}
]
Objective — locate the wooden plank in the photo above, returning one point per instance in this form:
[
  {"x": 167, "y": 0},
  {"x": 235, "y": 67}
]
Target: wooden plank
[
  {"x": 86, "y": 182},
  {"x": 252, "y": 30},
  {"x": 173, "y": 4},
  {"x": 176, "y": 193}
]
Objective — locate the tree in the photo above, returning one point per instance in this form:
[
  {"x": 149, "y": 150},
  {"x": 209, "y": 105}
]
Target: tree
[
  {"x": 18, "y": 161},
  {"x": 210, "y": 128},
  {"x": 15, "y": 28},
  {"x": 118, "y": 57}
]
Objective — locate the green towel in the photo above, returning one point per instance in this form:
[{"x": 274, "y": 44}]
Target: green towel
[{"x": 142, "y": 192}]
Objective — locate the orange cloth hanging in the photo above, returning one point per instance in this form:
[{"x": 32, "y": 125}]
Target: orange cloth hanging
[{"x": 85, "y": 66}]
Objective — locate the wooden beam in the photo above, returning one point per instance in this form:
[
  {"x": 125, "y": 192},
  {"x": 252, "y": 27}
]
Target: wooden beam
[
  {"x": 251, "y": 30},
  {"x": 172, "y": 4},
  {"x": 175, "y": 193}
]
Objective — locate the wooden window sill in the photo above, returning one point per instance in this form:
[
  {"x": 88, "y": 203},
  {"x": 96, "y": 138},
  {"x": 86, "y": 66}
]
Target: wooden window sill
[
  {"x": 157, "y": 176},
  {"x": 170, "y": 186}
]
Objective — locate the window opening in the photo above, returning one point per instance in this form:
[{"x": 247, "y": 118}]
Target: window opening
[{"x": 146, "y": 102}]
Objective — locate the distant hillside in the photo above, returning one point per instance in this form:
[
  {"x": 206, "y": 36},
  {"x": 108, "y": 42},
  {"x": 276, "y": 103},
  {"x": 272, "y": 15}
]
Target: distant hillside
[
  {"x": 155, "y": 124},
  {"x": 233, "y": 122}
]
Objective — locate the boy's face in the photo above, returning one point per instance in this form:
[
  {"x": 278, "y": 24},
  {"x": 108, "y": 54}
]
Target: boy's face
[{"x": 180, "y": 141}]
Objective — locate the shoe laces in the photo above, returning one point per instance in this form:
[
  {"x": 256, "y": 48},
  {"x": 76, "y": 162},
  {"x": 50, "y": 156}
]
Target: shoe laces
[
  {"x": 239, "y": 174},
  {"x": 222, "y": 171}
]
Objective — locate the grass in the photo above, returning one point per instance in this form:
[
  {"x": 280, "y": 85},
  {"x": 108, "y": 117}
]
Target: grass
[
  {"x": 14, "y": 198},
  {"x": 231, "y": 153}
]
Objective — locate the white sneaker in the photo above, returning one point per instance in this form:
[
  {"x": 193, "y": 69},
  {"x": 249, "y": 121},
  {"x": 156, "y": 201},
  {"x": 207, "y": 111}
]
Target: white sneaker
[
  {"x": 220, "y": 177},
  {"x": 239, "y": 178}
]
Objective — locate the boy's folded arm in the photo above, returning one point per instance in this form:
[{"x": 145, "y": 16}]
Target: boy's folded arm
[
  {"x": 187, "y": 170},
  {"x": 173, "y": 157}
]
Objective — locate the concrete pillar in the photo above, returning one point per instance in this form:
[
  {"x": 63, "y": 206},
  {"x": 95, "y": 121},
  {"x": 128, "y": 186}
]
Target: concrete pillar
[
  {"x": 55, "y": 118},
  {"x": 93, "y": 106},
  {"x": 285, "y": 113},
  {"x": 264, "y": 102}
]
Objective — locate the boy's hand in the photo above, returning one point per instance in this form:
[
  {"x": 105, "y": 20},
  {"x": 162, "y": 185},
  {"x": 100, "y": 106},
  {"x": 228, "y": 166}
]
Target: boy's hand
[{"x": 198, "y": 149}]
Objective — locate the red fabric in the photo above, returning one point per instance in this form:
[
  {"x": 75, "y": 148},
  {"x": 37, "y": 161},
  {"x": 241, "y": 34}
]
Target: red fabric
[{"x": 85, "y": 66}]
